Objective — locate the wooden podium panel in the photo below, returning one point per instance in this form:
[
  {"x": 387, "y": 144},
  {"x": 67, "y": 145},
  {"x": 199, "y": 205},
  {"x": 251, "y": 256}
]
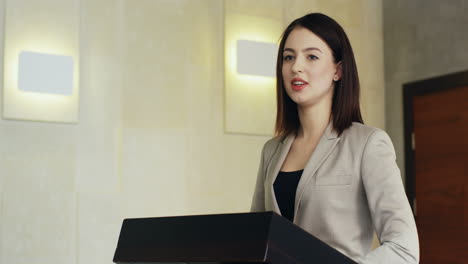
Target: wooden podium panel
[{"x": 225, "y": 238}]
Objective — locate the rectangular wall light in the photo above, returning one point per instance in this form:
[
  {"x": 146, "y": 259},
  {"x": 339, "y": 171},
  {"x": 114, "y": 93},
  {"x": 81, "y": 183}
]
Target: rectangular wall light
[
  {"x": 256, "y": 58},
  {"x": 45, "y": 73},
  {"x": 41, "y": 60},
  {"x": 250, "y": 70}
]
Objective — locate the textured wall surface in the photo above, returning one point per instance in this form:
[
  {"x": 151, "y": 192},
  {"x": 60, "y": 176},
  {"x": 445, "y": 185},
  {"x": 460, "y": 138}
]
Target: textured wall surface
[
  {"x": 423, "y": 39},
  {"x": 150, "y": 141},
  {"x": 60, "y": 183}
]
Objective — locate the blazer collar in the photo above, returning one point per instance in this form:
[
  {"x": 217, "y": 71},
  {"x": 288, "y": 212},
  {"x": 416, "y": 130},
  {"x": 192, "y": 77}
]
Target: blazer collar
[
  {"x": 324, "y": 147},
  {"x": 277, "y": 161}
]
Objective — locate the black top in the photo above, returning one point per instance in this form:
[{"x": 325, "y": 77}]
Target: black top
[{"x": 285, "y": 191}]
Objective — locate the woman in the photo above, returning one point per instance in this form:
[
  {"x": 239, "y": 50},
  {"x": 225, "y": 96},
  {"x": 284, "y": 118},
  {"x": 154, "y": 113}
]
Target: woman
[{"x": 325, "y": 170}]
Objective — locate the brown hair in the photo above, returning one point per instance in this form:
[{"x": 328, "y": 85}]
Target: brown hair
[{"x": 345, "y": 105}]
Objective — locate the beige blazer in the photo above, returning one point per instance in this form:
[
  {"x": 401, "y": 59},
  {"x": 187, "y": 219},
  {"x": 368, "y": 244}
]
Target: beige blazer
[{"x": 350, "y": 187}]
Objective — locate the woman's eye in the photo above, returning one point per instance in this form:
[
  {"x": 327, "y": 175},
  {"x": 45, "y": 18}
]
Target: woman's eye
[
  {"x": 288, "y": 58},
  {"x": 312, "y": 57}
]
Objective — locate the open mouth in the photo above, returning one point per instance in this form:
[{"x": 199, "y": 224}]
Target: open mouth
[{"x": 298, "y": 84}]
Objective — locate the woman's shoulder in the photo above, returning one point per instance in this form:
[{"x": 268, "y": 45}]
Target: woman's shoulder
[
  {"x": 272, "y": 144},
  {"x": 362, "y": 133}
]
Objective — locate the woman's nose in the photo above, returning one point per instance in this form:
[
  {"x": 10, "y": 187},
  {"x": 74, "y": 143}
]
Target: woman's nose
[{"x": 297, "y": 66}]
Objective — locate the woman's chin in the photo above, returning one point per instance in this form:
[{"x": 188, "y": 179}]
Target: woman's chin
[{"x": 300, "y": 100}]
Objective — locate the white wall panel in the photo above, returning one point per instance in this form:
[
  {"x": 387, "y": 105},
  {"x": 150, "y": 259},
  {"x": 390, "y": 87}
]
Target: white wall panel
[
  {"x": 99, "y": 223},
  {"x": 38, "y": 227}
]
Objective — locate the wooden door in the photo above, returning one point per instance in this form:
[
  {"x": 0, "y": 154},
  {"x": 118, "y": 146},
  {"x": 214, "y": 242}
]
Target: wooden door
[{"x": 436, "y": 128}]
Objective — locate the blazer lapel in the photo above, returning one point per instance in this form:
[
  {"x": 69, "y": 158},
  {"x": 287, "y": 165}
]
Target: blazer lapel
[
  {"x": 276, "y": 162},
  {"x": 325, "y": 146}
]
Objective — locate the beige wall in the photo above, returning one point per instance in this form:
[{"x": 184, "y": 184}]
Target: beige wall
[{"x": 150, "y": 140}]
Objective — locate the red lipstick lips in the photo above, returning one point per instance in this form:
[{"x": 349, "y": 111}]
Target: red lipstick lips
[{"x": 298, "y": 84}]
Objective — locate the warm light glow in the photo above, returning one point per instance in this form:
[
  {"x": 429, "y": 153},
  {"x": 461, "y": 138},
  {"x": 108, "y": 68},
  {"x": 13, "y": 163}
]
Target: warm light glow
[
  {"x": 250, "y": 100},
  {"x": 58, "y": 34}
]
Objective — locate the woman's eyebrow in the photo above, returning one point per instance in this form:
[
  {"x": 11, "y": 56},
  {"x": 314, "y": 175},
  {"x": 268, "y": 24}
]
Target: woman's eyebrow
[
  {"x": 309, "y": 49},
  {"x": 304, "y": 50}
]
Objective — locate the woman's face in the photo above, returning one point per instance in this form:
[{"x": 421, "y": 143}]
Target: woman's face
[{"x": 308, "y": 68}]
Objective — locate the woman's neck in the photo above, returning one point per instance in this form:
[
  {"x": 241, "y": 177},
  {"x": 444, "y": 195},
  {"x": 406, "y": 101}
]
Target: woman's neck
[{"x": 314, "y": 120}]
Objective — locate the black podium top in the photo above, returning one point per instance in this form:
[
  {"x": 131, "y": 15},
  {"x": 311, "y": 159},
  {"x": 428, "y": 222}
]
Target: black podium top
[{"x": 225, "y": 238}]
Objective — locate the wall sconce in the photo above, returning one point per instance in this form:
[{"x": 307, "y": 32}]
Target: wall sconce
[
  {"x": 250, "y": 69},
  {"x": 256, "y": 58},
  {"x": 45, "y": 73},
  {"x": 41, "y": 61}
]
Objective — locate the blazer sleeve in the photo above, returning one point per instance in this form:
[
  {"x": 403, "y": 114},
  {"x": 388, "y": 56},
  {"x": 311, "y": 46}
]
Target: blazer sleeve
[
  {"x": 258, "y": 200},
  {"x": 391, "y": 214}
]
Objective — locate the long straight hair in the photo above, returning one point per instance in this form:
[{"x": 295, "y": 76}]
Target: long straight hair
[{"x": 345, "y": 104}]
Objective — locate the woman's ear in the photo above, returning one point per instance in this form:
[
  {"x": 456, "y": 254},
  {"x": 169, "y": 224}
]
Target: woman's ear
[{"x": 338, "y": 73}]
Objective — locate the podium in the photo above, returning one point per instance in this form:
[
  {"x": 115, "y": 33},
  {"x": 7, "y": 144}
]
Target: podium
[{"x": 224, "y": 238}]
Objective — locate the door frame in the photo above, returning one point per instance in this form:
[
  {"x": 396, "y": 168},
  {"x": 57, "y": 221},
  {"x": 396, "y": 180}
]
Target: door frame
[{"x": 410, "y": 90}]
